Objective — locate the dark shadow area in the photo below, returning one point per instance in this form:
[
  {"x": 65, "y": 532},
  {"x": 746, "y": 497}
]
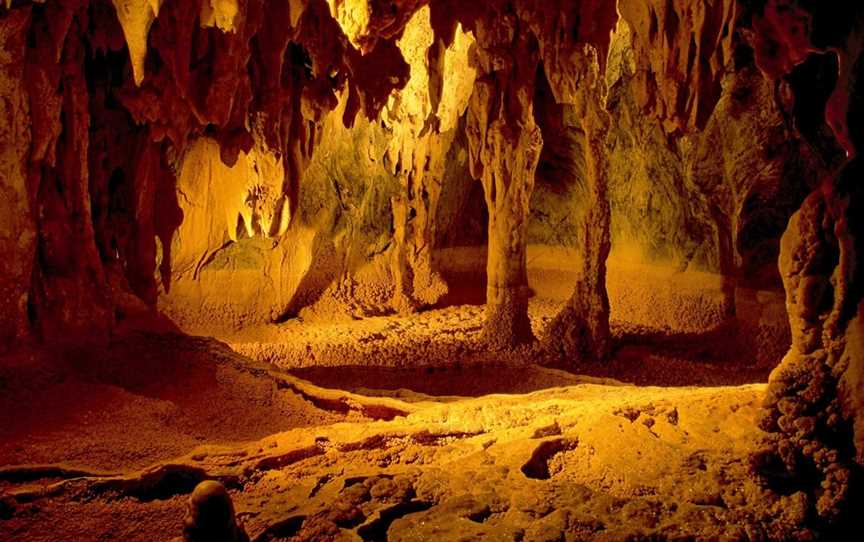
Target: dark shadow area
[
  {"x": 148, "y": 397},
  {"x": 465, "y": 286},
  {"x": 720, "y": 357},
  {"x": 473, "y": 379},
  {"x": 724, "y": 356}
]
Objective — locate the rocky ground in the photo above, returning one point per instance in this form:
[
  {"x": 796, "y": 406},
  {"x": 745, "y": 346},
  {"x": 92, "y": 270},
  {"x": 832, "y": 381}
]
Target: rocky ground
[
  {"x": 107, "y": 445},
  {"x": 439, "y": 352}
]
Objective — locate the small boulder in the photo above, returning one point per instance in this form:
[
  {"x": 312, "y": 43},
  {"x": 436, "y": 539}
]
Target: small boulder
[{"x": 210, "y": 516}]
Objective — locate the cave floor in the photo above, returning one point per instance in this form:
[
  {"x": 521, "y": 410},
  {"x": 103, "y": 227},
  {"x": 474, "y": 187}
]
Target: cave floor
[
  {"x": 104, "y": 445},
  {"x": 438, "y": 352}
]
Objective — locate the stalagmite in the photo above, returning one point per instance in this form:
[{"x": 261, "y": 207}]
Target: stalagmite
[
  {"x": 575, "y": 65},
  {"x": 210, "y": 515},
  {"x": 812, "y": 410}
]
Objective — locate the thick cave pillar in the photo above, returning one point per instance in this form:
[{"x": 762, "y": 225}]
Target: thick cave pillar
[
  {"x": 70, "y": 300},
  {"x": 581, "y": 330},
  {"x": 417, "y": 163},
  {"x": 811, "y": 410},
  {"x": 574, "y": 41},
  {"x": 574, "y": 65},
  {"x": 504, "y": 147}
]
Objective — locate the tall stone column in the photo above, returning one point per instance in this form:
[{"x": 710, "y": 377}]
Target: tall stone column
[
  {"x": 581, "y": 330},
  {"x": 504, "y": 146},
  {"x": 576, "y": 78},
  {"x": 423, "y": 118},
  {"x": 813, "y": 410}
]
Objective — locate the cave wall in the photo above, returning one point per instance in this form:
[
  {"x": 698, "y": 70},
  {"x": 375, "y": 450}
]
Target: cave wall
[
  {"x": 18, "y": 231},
  {"x": 812, "y": 408},
  {"x": 365, "y": 221},
  {"x": 109, "y": 100}
]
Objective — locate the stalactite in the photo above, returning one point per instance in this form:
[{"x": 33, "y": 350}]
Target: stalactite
[
  {"x": 682, "y": 48},
  {"x": 145, "y": 144}
]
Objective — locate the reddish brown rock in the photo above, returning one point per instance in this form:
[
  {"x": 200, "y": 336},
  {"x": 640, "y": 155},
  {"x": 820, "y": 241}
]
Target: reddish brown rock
[
  {"x": 811, "y": 410},
  {"x": 69, "y": 297},
  {"x": 581, "y": 330},
  {"x": 18, "y": 229}
]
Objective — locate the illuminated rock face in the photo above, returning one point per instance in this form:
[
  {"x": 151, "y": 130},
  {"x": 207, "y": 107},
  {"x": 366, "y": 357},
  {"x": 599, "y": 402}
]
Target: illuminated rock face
[
  {"x": 136, "y": 17},
  {"x": 279, "y": 113},
  {"x": 422, "y": 118},
  {"x": 239, "y": 163},
  {"x": 682, "y": 49}
]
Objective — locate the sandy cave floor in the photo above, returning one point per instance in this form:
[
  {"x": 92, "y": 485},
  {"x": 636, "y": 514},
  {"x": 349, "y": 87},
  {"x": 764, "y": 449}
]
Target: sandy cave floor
[
  {"x": 438, "y": 352},
  {"x": 107, "y": 445}
]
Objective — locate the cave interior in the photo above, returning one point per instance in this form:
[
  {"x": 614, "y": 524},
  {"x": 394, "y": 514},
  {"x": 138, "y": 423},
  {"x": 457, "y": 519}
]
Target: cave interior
[{"x": 413, "y": 270}]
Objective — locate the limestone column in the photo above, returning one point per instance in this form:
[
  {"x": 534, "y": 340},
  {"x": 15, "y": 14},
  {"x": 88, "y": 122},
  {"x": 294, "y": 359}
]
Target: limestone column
[
  {"x": 504, "y": 146},
  {"x": 577, "y": 80},
  {"x": 581, "y": 330}
]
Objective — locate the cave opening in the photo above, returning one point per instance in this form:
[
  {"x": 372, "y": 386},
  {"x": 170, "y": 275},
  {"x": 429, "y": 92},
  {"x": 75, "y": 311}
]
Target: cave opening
[{"x": 430, "y": 270}]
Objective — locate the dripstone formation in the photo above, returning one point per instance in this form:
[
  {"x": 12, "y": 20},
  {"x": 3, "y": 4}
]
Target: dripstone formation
[{"x": 228, "y": 163}]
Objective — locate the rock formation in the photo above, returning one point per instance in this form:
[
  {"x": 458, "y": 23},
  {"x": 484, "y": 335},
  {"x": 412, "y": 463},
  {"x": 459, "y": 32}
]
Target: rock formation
[
  {"x": 422, "y": 120},
  {"x": 504, "y": 147},
  {"x": 812, "y": 408},
  {"x": 210, "y": 515},
  {"x": 18, "y": 237},
  {"x": 575, "y": 68},
  {"x": 235, "y": 163}
]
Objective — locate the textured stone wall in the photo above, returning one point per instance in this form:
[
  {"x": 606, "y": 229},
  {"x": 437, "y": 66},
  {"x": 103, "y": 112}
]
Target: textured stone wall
[
  {"x": 223, "y": 139},
  {"x": 812, "y": 410}
]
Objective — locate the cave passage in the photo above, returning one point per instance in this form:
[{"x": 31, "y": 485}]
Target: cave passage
[{"x": 413, "y": 270}]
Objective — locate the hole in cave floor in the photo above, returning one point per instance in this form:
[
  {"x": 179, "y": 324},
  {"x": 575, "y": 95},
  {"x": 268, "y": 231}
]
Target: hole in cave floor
[{"x": 156, "y": 400}]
